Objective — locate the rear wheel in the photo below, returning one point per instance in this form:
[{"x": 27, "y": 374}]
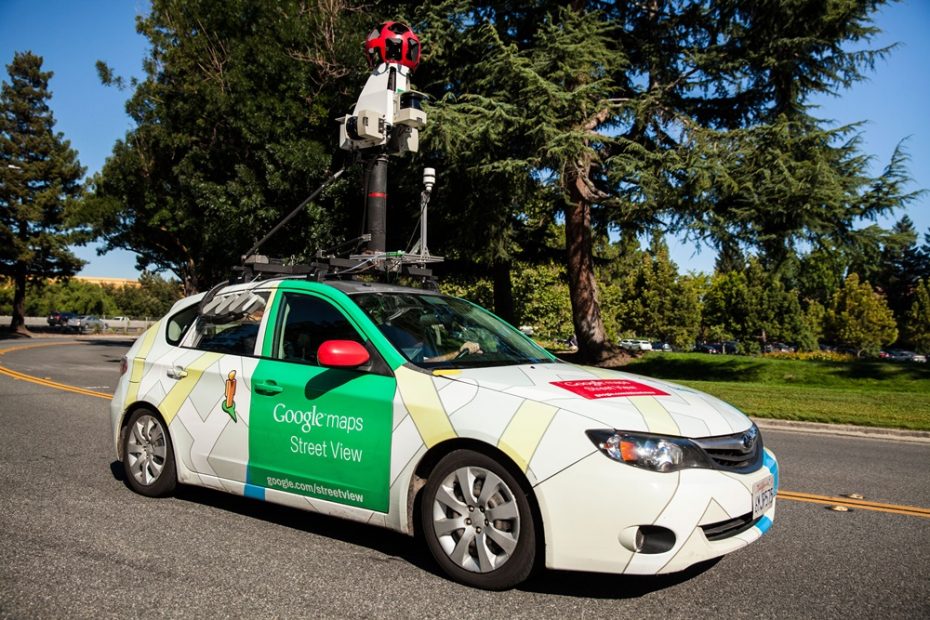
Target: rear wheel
[
  {"x": 148, "y": 458},
  {"x": 477, "y": 522}
]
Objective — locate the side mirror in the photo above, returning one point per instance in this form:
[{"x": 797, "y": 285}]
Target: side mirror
[{"x": 342, "y": 354}]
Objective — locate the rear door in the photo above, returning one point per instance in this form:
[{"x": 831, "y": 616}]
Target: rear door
[
  {"x": 315, "y": 431},
  {"x": 207, "y": 389}
]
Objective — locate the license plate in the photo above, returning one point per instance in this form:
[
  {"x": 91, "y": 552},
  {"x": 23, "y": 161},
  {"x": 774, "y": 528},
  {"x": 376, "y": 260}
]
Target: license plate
[{"x": 763, "y": 496}]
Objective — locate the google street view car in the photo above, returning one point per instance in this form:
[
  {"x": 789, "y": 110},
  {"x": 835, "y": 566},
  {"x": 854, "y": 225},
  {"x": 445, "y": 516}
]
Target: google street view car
[{"x": 426, "y": 414}]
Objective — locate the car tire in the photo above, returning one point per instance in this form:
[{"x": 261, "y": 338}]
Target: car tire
[
  {"x": 148, "y": 457},
  {"x": 458, "y": 521}
]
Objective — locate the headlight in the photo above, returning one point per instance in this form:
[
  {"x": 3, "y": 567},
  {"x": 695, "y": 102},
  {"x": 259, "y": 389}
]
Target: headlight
[{"x": 653, "y": 452}]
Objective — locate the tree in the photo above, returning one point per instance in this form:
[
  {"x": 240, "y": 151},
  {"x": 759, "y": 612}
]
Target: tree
[
  {"x": 655, "y": 300},
  {"x": 899, "y": 268},
  {"x": 39, "y": 182},
  {"x": 754, "y": 306},
  {"x": 819, "y": 274},
  {"x": 233, "y": 127},
  {"x": 669, "y": 114},
  {"x": 152, "y": 298},
  {"x": 917, "y": 328},
  {"x": 72, "y": 295},
  {"x": 860, "y": 317},
  {"x": 923, "y": 257}
]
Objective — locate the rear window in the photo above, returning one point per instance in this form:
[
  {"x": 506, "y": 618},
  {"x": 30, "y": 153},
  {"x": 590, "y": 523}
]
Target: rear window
[{"x": 179, "y": 323}]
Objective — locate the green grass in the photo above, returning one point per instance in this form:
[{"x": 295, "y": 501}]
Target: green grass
[{"x": 865, "y": 393}]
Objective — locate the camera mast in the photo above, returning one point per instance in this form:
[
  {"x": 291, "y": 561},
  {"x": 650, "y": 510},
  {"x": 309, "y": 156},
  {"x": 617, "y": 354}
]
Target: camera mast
[{"x": 385, "y": 122}]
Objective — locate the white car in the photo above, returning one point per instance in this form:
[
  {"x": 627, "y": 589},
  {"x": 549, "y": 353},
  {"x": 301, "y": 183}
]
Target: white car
[
  {"x": 420, "y": 412},
  {"x": 633, "y": 344}
]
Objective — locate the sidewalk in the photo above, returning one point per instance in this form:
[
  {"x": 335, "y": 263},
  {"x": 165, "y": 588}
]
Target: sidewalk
[{"x": 849, "y": 430}]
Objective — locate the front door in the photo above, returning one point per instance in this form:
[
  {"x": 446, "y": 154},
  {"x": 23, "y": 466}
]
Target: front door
[{"x": 315, "y": 431}]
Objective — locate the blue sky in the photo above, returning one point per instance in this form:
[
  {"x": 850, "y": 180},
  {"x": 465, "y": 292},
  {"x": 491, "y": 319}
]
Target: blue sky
[{"x": 72, "y": 35}]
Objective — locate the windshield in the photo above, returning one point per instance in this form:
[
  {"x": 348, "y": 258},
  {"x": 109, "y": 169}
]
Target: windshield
[{"x": 434, "y": 331}]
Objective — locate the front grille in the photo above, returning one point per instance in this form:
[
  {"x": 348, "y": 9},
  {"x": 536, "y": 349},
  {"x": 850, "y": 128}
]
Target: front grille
[
  {"x": 740, "y": 452},
  {"x": 730, "y": 527}
]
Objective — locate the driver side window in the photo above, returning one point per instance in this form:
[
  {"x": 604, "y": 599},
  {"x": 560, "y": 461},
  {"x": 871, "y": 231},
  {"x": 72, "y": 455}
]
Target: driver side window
[{"x": 304, "y": 323}]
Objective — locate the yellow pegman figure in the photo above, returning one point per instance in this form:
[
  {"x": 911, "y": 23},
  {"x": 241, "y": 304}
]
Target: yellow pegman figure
[{"x": 229, "y": 405}]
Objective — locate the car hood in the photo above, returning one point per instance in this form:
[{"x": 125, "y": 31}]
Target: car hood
[{"x": 609, "y": 399}]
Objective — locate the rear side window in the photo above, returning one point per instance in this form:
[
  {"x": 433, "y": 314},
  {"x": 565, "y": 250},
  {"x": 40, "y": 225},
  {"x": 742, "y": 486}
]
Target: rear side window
[
  {"x": 304, "y": 323},
  {"x": 233, "y": 332},
  {"x": 178, "y": 324}
]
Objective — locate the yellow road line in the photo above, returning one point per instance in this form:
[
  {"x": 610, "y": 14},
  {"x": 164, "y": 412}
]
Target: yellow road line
[
  {"x": 912, "y": 511},
  {"x": 37, "y": 345},
  {"x": 52, "y": 384},
  {"x": 47, "y": 382}
]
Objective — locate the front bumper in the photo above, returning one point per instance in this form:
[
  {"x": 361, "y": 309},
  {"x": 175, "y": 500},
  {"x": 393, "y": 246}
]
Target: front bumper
[{"x": 591, "y": 511}]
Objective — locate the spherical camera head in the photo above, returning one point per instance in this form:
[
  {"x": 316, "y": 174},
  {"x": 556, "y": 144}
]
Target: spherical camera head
[{"x": 393, "y": 43}]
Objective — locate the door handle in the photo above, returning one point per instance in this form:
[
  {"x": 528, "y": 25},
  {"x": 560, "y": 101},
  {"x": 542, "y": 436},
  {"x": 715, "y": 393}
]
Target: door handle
[
  {"x": 268, "y": 388},
  {"x": 177, "y": 372}
]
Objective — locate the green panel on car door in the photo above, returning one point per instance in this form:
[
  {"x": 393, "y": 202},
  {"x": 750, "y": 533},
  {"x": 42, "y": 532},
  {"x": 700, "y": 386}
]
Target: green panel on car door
[{"x": 321, "y": 432}]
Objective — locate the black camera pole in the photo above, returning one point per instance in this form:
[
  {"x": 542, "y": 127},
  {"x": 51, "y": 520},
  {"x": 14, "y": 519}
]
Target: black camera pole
[{"x": 376, "y": 203}]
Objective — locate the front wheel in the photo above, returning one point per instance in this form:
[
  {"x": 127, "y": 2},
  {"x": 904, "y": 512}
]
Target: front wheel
[
  {"x": 148, "y": 458},
  {"x": 477, "y": 522}
]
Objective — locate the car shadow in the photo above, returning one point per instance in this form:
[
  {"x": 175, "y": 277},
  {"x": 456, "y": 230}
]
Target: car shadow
[
  {"x": 123, "y": 342},
  {"x": 396, "y": 545},
  {"x": 116, "y": 468},
  {"x": 608, "y": 586},
  {"x": 387, "y": 542}
]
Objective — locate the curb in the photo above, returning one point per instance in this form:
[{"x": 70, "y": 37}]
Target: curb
[{"x": 848, "y": 430}]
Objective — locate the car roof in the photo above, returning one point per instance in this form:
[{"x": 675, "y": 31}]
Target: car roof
[{"x": 351, "y": 287}]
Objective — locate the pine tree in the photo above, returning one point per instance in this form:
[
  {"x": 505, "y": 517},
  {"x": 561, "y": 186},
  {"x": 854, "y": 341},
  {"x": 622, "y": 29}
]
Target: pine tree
[
  {"x": 669, "y": 114},
  {"x": 899, "y": 270},
  {"x": 654, "y": 300},
  {"x": 917, "y": 328},
  {"x": 39, "y": 180}
]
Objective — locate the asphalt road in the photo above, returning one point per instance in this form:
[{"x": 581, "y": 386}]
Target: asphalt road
[{"x": 75, "y": 542}]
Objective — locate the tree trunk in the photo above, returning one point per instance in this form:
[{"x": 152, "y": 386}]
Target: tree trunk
[
  {"x": 586, "y": 311},
  {"x": 503, "y": 291},
  {"x": 18, "y": 321},
  {"x": 189, "y": 280}
]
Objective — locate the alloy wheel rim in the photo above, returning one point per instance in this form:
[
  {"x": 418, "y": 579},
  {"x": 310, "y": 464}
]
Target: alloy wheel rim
[
  {"x": 476, "y": 519},
  {"x": 146, "y": 450}
]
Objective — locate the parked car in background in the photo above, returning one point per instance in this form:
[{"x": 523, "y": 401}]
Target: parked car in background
[
  {"x": 729, "y": 346},
  {"x": 898, "y": 355},
  {"x": 632, "y": 344},
  {"x": 778, "y": 347},
  {"x": 86, "y": 323},
  {"x": 60, "y": 319},
  {"x": 118, "y": 322},
  {"x": 661, "y": 346}
]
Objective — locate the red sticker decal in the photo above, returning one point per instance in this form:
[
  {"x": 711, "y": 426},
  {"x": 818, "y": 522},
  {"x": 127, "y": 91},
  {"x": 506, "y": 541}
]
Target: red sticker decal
[{"x": 608, "y": 388}]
